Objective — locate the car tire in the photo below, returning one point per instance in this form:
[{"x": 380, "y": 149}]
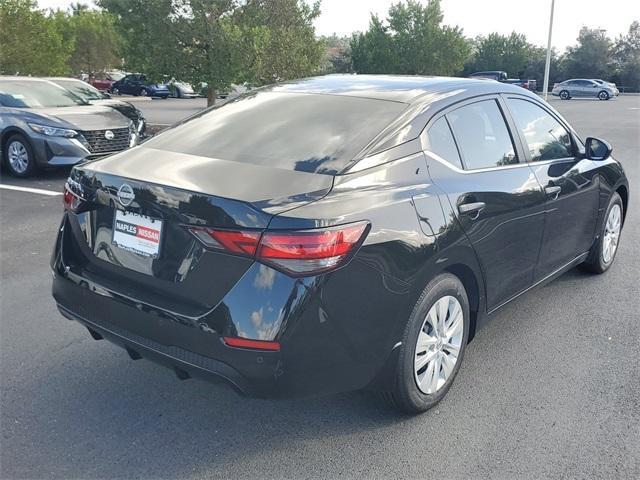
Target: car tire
[
  {"x": 115, "y": 91},
  {"x": 603, "y": 95},
  {"x": 143, "y": 92},
  {"x": 604, "y": 249},
  {"x": 564, "y": 95},
  {"x": 18, "y": 156},
  {"x": 416, "y": 388}
]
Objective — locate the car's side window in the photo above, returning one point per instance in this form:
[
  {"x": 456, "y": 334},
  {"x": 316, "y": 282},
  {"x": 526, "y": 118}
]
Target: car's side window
[
  {"x": 546, "y": 138},
  {"x": 441, "y": 142},
  {"x": 482, "y": 135}
]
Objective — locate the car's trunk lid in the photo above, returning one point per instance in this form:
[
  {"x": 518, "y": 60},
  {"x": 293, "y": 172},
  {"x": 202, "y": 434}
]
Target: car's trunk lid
[{"x": 171, "y": 193}]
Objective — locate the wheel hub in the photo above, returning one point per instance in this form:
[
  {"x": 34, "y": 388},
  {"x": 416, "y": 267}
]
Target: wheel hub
[
  {"x": 611, "y": 233},
  {"x": 18, "y": 157},
  {"x": 438, "y": 344}
]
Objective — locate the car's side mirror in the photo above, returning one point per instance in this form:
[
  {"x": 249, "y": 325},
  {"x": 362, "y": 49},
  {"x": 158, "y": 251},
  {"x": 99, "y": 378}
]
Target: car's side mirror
[{"x": 596, "y": 149}]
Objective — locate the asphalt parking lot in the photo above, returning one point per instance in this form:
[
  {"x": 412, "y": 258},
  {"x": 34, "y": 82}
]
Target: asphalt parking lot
[{"x": 549, "y": 389}]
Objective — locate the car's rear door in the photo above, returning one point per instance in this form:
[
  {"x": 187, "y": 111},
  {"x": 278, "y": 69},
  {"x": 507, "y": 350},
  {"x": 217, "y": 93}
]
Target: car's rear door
[
  {"x": 493, "y": 193},
  {"x": 574, "y": 88},
  {"x": 569, "y": 180}
]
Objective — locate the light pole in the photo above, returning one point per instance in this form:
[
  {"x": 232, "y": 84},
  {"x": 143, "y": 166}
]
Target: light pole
[{"x": 547, "y": 62}]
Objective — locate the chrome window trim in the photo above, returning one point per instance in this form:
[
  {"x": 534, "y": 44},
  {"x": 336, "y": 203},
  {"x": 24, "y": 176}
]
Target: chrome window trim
[{"x": 446, "y": 163}]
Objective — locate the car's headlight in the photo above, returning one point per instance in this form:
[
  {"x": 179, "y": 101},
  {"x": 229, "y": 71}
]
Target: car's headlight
[{"x": 53, "y": 131}]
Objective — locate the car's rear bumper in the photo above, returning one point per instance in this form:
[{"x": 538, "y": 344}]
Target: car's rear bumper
[
  {"x": 184, "y": 363},
  {"x": 336, "y": 332}
]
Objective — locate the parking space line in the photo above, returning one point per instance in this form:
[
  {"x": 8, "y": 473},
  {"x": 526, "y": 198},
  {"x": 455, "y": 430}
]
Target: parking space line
[{"x": 30, "y": 190}]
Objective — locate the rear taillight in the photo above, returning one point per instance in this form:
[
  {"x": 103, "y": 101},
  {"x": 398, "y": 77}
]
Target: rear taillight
[
  {"x": 70, "y": 201},
  {"x": 312, "y": 251},
  {"x": 240, "y": 242},
  {"x": 297, "y": 253}
]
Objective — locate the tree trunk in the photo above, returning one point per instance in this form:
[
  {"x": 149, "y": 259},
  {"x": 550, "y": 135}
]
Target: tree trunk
[{"x": 211, "y": 96}]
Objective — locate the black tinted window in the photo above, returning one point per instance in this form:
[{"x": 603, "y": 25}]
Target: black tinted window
[
  {"x": 441, "y": 142},
  {"x": 482, "y": 135},
  {"x": 294, "y": 131},
  {"x": 546, "y": 137}
]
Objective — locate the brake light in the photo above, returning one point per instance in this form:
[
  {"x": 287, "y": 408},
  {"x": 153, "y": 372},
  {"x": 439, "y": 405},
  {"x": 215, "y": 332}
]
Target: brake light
[
  {"x": 70, "y": 201},
  {"x": 252, "y": 344},
  {"x": 300, "y": 252},
  {"x": 240, "y": 242}
]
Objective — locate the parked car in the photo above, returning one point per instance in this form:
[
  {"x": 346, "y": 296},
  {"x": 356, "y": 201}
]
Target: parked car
[
  {"x": 137, "y": 84},
  {"x": 95, "y": 97},
  {"x": 334, "y": 233},
  {"x": 582, "y": 87},
  {"x": 501, "y": 76},
  {"x": 181, "y": 89},
  {"x": 45, "y": 125},
  {"x": 104, "y": 80}
]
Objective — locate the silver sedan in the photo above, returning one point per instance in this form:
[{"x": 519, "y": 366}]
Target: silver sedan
[
  {"x": 584, "y": 88},
  {"x": 43, "y": 124}
]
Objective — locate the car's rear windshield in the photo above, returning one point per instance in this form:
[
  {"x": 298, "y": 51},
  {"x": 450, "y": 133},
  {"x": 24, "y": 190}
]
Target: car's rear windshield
[
  {"x": 319, "y": 133},
  {"x": 80, "y": 89},
  {"x": 36, "y": 94}
]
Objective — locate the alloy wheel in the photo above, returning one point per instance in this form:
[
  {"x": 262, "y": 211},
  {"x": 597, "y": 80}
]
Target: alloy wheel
[
  {"x": 603, "y": 96},
  {"x": 438, "y": 344},
  {"x": 611, "y": 233},
  {"x": 18, "y": 157},
  {"x": 564, "y": 95}
]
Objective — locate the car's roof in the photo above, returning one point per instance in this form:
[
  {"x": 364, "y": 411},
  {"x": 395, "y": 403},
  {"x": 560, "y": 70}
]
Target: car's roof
[
  {"x": 398, "y": 88},
  {"x": 53, "y": 79},
  {"x": 21, "y": 78}
]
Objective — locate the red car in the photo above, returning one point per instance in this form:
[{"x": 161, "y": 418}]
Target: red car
[{"x": 103, "y": 80}]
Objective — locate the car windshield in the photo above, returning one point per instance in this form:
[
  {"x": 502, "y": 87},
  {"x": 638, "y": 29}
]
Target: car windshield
[
  {"x": 36, "y": 94},
  {"x": 115, "y": 76},
  {"x": 80, "y": 89},
  {"x": 294, "y": 131}
]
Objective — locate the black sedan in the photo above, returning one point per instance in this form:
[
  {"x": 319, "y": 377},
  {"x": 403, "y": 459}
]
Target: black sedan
[{"x": 334, "y": 233}]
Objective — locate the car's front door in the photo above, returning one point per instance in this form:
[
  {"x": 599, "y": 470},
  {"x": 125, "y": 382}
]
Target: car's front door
[
  {"x": 131, "y": 84},
  {"x": 569, "y": 181},
  {"x": 496, "y": 198}
]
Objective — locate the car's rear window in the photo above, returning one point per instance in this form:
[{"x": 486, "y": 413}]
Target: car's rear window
[{"x": 317, "y": 133}]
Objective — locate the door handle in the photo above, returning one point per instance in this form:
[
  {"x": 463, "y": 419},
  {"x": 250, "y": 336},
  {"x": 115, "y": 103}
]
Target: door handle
[
  {"x": 552, "y": 191},
  {"x": 472, "y": 209}
]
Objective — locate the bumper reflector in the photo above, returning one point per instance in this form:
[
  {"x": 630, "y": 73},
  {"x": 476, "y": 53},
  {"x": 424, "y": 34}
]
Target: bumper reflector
[{"x": 252, "y": 344}]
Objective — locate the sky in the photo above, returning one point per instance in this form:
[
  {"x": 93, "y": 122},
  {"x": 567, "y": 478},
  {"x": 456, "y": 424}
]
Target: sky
[{"x": 477, "y": 17}]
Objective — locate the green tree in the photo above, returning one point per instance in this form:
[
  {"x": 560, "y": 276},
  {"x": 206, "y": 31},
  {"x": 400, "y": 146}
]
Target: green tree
[
  {"x": 94, "y": 38},
  {"x": 337, "y": 54},
  {"x": 148, "y": 32},
  {"x": 510, "y": 53},
  {"x": 219, "y": 42},
  {"x": 626, "y": 55},
  {"x": 536, "y": 64},
  {"x": 413, "y": 41},
  {"x": 279, "y": 40},
  {"x": 30, "y": 41},
  {"x": 591, "y": 57},
  {"x": 373, "y": 50}
]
